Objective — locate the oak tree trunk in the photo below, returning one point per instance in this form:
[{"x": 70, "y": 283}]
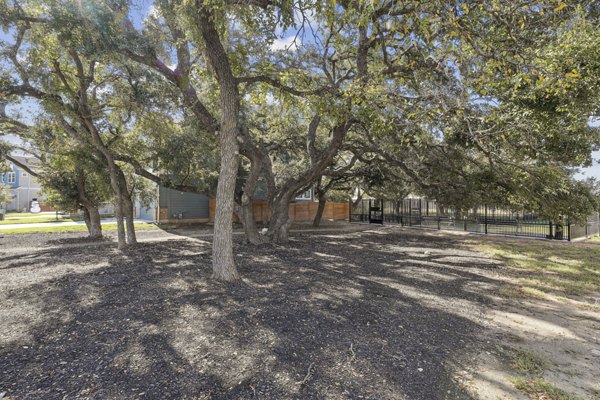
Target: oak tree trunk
[
  {"x": 320, "y": 209},
  {"x": 280, "y": 223},
  {"x": 86, "y": 219},
  {"x": 95, "y": 222},
  {"x": 121, "y": 236},
  {"x": 245, "y": 213},
  {"x": 91, "y": 216},
  {"x": 223, "y": 261},
  {"x": 129, "y": 224}
]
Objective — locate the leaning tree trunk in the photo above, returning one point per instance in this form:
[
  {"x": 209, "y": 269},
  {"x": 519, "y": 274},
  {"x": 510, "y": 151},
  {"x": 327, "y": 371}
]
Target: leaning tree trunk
[
  {"x": 95, "y": 224},
  {"x": 320, "y": 209},
  {"x": 245, "y": 209},
  {"x": 121, "y": 236},
  {"x": 129, "y": 220},
  {"x": 127, "y": 206},
  {"x": 115, "y": 184},
  {"x": 280, "y": 219},
  {"x": 86, "y": 219},
  {"x": 245, "y": 213},
  {"x": 91, "y": 216}
]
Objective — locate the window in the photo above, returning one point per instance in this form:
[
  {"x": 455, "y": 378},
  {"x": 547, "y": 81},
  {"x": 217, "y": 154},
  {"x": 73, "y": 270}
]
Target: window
[
  {"x": 305, "y": 196},
  {"x": 11, "y": 177}
]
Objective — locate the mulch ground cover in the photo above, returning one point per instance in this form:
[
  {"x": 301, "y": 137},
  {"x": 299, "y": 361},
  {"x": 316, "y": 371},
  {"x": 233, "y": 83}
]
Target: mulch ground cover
[{"x": 360, "y": 315}]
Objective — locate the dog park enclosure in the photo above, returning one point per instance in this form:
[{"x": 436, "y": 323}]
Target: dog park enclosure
[{"x": 425, "y": 213}]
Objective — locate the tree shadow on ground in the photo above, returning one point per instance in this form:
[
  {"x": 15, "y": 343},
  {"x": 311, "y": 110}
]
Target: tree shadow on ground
[{"x": 378, "y": 315}]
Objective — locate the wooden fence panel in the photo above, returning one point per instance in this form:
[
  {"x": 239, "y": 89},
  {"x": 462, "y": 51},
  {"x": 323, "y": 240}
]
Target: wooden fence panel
[{"x": 301, "y": 211}]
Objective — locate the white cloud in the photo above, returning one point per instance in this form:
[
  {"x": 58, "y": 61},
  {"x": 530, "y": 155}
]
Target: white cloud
[{"x": 286, "y": 43}]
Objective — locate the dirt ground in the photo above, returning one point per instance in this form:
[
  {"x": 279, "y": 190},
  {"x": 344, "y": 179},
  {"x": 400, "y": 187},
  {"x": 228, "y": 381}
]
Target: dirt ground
[{"x": 343, "y": 313}]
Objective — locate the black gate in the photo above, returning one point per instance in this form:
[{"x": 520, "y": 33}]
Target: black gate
[
  {"x": 424, "y": 213},
  {"x": 376, "y": 212}
]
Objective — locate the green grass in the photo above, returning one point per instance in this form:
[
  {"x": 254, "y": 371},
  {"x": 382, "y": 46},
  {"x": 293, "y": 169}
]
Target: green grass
[
  {"x": 25, "y": 214},
  {"x": 73, "y": 228},
  {"x": 528, "y": 363},
  {"x": 35, "y": 220},
  {"x": 540, "y": 389},
  {"x": 532, "y": 365},
  {"x": 29, "y": 218},
  {"x": 547, "y": 267}
]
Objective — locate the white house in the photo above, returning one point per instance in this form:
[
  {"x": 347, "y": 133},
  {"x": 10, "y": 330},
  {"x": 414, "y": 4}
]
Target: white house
[{"x": 23, "y": 187}]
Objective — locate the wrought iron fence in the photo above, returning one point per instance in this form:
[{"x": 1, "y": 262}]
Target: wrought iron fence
[{"x": 424, "y": 213}]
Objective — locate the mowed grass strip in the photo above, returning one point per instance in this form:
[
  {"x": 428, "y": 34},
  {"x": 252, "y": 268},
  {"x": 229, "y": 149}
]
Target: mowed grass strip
[
  {"x": 111, "y": 226},
  {"x": 36, "y": 220},
  {"x": 560, "y": 269}
]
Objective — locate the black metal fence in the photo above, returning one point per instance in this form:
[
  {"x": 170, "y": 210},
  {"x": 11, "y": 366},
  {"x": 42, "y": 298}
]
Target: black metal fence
[{"x": 423, "y": 213}]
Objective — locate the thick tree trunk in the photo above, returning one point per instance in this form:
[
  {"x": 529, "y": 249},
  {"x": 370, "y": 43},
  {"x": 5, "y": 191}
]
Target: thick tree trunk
[
  {"x": 245, "y": 213},
  {"x": 95, "y": 222},
  {"x": 223, "y": 262},
  {"x": 129, "y": 217},
  {"x": 91, "y": 215},
  {"x": 320, "y": 209},
  {"x": 121, "y": 236},
  {"x": 123, "y": 204},
  {"x": 280, "y": 220},
  {"x": 86, "y": 219}
]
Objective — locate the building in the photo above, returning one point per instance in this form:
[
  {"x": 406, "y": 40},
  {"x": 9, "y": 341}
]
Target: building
[
  {"x": 175, "y": 206},
  {"x": 23, "y": 187}
]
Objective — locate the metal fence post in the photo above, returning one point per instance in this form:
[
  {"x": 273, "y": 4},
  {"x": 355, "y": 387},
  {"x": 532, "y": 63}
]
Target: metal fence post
[
  {"x": 420, "y": 212},
  {"x": 382, "y": 213},
  {"x": 402, "y": 212},
  {"x": 350, "y": 209},
  {"x": 439, "y": 217},
  {"x": 486, "y": 219},
  {"x": 409, "y": 212},
  {"x": 550, "y": 236}
]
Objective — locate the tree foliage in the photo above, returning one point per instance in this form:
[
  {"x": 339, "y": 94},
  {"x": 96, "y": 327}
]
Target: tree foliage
[{"x": 467, "y": 102}]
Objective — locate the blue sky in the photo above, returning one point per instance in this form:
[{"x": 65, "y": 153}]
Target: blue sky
[{"x": 591, "y": 172}]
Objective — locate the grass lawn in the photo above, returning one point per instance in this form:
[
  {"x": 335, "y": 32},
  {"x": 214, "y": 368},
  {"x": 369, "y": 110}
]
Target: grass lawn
[
  {"x": 73, "y": 228},
  {"x": 30, "y": 218},
  {"x": 20, "y": 219},
  {"x": 550, "y": 268},
  {"x": 595, "y": 239},
  {"x": 30, "y": 214}
]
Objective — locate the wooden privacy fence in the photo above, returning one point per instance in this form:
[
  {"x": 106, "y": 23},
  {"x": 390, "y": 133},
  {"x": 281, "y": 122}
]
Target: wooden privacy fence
[{"x": 301, "y": 211}]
